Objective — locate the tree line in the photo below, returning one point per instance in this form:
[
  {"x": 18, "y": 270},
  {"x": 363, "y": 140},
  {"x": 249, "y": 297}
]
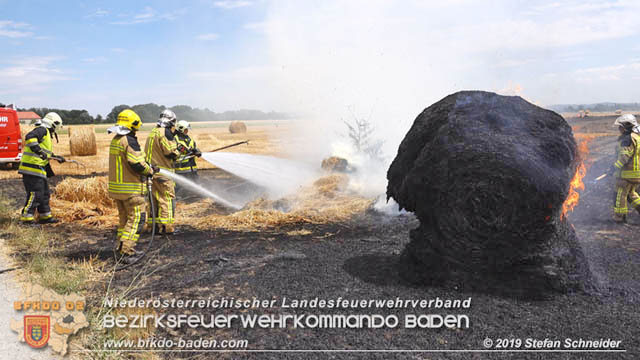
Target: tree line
[
  {"x": 150, "y": 112},
  {"x": 598, "y": 107}
]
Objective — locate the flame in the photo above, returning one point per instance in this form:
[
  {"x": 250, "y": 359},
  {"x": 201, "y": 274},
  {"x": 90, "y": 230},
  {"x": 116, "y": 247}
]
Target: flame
[{"x": 576, "y": 183}]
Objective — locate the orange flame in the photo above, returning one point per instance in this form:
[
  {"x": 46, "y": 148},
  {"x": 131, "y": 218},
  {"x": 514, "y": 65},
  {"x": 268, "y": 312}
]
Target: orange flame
[{"x": 576, "y": 183}]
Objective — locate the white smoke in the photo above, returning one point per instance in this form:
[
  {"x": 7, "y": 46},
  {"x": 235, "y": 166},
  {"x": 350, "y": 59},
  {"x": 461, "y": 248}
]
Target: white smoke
[{"x": 344, "y": 60}]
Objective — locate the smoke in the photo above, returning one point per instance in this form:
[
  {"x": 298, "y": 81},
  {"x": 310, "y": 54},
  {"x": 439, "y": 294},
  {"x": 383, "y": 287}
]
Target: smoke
[{"x": 346, "y": 60}]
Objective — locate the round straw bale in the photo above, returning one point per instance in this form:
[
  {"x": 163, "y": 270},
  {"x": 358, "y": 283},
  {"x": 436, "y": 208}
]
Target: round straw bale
[
  {"x": 237, "y": 127},
  {"x": 82, "y": 141}
]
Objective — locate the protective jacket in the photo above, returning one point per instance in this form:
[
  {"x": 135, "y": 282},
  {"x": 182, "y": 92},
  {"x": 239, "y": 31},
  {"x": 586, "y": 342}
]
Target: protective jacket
[
  {"x": 38, "y": 150},
  {"x": 628, "y": 157},
  {"x": 127, "y": 167},
  {"x": 161, "y": 149},
  {"x": 186, "y": 163}
]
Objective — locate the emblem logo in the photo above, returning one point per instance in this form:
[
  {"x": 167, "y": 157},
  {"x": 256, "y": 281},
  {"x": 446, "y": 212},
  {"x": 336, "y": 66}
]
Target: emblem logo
[{"x": 36, "y": 330}]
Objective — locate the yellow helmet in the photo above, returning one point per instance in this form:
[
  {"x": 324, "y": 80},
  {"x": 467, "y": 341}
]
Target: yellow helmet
[{"x": 129, "y": 119}]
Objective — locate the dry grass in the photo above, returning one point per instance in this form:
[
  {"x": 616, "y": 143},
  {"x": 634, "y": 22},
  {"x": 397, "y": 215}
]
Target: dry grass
[
  {"x": 82, "y": 141},
  {"x": 37, "y": 249}
]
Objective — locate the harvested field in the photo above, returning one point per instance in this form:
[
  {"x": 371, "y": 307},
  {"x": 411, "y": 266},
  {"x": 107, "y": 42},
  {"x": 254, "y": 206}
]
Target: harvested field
[{"x": 304, "y": 257}]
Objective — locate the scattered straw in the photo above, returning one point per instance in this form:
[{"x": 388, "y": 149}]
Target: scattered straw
[
  {"x": 85, "y": 201},
  {"x": 326, "y": 201},
  {"x": 94, "y": 190}
]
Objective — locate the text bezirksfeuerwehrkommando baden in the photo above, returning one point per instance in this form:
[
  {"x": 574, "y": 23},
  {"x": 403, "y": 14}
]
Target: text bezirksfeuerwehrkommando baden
[{"x": 288, "y": 303}]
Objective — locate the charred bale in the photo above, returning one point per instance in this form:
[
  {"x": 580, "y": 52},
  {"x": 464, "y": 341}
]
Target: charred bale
[
  {"x": 335, "y": 164},
  {"x": 487, "y": 175}
]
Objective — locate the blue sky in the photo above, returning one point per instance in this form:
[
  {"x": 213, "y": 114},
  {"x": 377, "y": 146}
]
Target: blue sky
[{"x": 386, "y": 58}]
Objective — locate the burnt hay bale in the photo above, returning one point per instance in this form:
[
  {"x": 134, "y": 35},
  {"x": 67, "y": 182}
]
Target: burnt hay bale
[
  {"x": 335, "y": 164},
  {"x": 487, "y": 175}
]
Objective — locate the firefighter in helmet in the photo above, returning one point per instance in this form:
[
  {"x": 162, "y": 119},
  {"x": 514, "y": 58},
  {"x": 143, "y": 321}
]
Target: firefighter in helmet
[
  {"x": 186, "y": 163},
  {"x": 128, "y": 172},
  {"x": 161, "y": 151},
  {"x": 35, "y": 169},
  {"x": 627, "y": 167}
]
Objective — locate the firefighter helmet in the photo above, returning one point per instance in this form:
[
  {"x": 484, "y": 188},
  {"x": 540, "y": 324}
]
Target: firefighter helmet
[
  {"x": 167, "y": 118},
  {"x": 627, "y": 121},
  {"x": 129, "y": 119},
  {"x": 183, "y": 125},
  {"x": 51, "y": 121}
]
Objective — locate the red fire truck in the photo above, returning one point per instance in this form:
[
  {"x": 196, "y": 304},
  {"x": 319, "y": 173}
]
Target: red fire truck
[{"x": 10, "y": 138}]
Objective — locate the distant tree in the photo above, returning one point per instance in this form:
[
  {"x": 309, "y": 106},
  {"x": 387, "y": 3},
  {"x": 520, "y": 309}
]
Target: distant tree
[
  {"x": 112, "y": 117},
  {"x": 360, "y": 132},
  {"x": 148, "y": 112}
]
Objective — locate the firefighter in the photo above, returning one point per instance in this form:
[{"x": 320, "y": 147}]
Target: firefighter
[
  {"x": 35, "y": 169},
  {"x": 161, "y": 151},
  {"x": 627, "y": 167},
  {"x": 128, "y": 172},
  {"x": 186, "y": 163}
]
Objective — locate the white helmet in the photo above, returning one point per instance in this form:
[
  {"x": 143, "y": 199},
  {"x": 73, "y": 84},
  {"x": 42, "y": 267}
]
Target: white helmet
[
  {"x": 628, "y": 121},
  {"x": 183, "y": 125},
  {"x": 51, "y": 121},
  {"x": 167, "y": 118}
]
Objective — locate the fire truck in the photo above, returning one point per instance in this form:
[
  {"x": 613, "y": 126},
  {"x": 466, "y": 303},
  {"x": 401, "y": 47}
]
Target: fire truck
[{"x": 10, "y": 138}]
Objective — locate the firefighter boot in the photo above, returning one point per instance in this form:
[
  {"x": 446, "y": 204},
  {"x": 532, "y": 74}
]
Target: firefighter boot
[
  {"x": 168, "y": 229},
  {"x": 48, "y": 220},
  {"x": 620, "y": 219}
]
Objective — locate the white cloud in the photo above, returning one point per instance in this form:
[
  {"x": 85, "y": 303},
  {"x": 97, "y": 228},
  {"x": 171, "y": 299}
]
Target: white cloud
[
  {"x": 27, "y": 74},
  {"x": 147, "y": 15},
  {"x": 208, "y": 37},
  {"x": 97, "y": 59},
  {"x": 231, "y": 4},
  {"x": 98, "y": 13},
  {"x": 12, "y": 29}
]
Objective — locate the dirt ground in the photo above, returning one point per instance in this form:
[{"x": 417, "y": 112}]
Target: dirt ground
[{"x": 356, "y": 259}]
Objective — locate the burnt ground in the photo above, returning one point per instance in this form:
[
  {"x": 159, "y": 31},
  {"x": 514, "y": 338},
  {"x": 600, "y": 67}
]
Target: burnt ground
[{"x": 357, "y": 260}]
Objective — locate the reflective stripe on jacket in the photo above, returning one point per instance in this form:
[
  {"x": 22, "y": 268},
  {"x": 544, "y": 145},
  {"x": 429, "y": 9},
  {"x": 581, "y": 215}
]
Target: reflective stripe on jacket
[
  {"x": 127, "y": 167},
  {"x": 628, "y": 157},
  {"x": 186, "y": 164},
  {"x": 161, "y": 149},
  {"x": 31, "y": 163}
]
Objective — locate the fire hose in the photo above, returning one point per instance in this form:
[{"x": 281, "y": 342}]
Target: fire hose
[{"x": 153, "y": 211}]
